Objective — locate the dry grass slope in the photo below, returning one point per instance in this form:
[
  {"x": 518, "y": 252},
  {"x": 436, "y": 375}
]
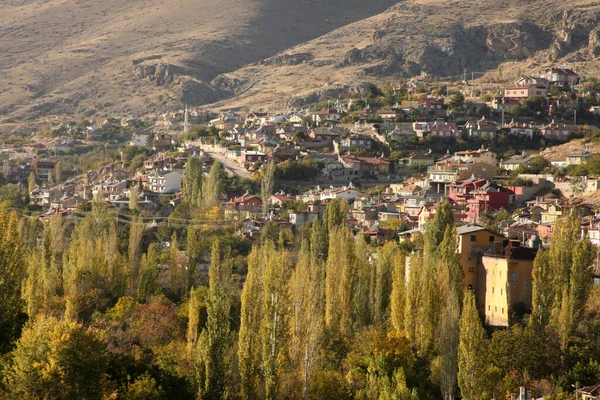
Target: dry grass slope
[{"x": 75, "y": 57}]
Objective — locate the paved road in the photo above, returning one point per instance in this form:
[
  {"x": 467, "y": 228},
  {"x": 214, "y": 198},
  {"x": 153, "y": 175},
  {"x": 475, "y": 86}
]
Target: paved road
[{"x": 229, "y": 164}]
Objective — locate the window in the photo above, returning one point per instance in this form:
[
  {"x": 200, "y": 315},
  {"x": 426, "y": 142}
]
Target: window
[
  {"x": 489, "y": 308},
  {"x": 501, "y": 290},
  {"x": 496, "y": 309},
  {"x": 470, "y": 287},
  {"x": 473, "y": 238},
  {"x": 471, "y": 270},
  {"x": 492, "y": 290},
  {"x": 491, "y": 239},
  {"x": 513, "y": 277},
  {"x": 502, "y": 310}
]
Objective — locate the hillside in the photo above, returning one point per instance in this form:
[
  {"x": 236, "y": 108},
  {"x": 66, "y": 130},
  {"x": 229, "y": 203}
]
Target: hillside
[
  {"x": 141, "y": 56},
  {"x": 444, "y": 38},
  {"x": 112, "y": 56}
]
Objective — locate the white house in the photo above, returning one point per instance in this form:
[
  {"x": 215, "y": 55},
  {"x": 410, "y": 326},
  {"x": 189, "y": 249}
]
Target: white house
[
  {"x": 141, "y": 139},
  {"x": 165, "y": 182}
]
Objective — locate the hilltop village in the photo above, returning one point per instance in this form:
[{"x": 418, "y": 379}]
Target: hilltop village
[{"x": 497, "y": 174}]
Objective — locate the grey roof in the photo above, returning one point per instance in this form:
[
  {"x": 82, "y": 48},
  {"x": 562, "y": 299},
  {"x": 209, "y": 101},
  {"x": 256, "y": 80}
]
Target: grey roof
[{"x": 461, "y": 230}]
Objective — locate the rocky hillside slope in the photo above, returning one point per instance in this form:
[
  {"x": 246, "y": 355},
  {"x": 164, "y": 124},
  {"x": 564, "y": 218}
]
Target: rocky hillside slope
[
  {"x": 139, "y": 56},
  {"x": 444, "y": 38},
  {"x": 86, "y": 57}
]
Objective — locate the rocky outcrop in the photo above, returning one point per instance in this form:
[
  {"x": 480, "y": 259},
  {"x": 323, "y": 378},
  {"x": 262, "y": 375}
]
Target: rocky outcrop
[
  {"x": 287, "y": 59},
  {"x": 160, "y": 74},
  {"x": 594, "y": 42}
]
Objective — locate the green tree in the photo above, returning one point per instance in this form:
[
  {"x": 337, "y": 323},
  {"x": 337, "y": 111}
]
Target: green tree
[
  {"x": 306, "y": 318},
  {"x": 191, "y": 185},
  {"x": 57, "y": 360},
  {"x": 249, "y": 341},
  {"x": 275, "y": 326},
  {"x": 31, "y": 185},
  {"x": 457, "y": 100},
  {"x": 134, "y": 251},
  {"x": 144, "y": 388},
  {"x": 148, "y": 282},
  {"x": 398, "y": 294},
  {"x": 471, "y": 352},
  {"x": 213, "y": 345},
  {"x": 211, "y": 188},
  {"x": 12, "y": 272},
  {"x": 266, "y": 185}
]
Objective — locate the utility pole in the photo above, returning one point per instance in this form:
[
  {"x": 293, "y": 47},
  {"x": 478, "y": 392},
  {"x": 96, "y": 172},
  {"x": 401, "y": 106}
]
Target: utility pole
[{"x": 574, "y": 117}]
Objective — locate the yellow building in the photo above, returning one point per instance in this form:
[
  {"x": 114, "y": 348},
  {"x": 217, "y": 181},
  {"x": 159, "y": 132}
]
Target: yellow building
[
  {"x": 508, "y": 281},
  {"x": 473, "y": 243},
  {"x": 554, "y": 212}
]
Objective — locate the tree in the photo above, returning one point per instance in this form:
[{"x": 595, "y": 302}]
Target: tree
[
  {"x": 58, "y": 172},
  {"x": 471, "y": 351},
  {"x": 398, "y": 295},
  {"x": 144, "y": 388},
  {"x": 12, "y": 272},
  {"x": 176, "y": 271},
  {"x": 384, "y": 267},
  {"x": 249, "y": 341},
  {"x": 306, "y": 318},
  {"x": 148, "y": 284},
  {"x": 215, "y": 340},
  {"x": 57, "y": 360},
  {"x": 134, "y": 250},
  {"x": 543, "y": 292},
  {"x": 133, "y": 199},
  {"x": 274, "y": 329},
  {"x": 191, "y": 185},
  {"x": 266, "y": 185},
  {"x": 456, "y": 101},
  {"x": 31, "y": 185},
  {"x": 211, "y": 188}
]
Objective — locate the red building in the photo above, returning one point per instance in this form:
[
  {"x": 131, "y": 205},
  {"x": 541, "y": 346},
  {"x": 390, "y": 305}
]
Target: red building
[
  {"x": 251, "y": 157},
  {"x": 487, "y": 198},
  {"x": 460, "y": 192},
  {"x": 245, "y": 203}
]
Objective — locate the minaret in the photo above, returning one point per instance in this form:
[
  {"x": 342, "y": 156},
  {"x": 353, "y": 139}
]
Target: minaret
[{"x": 185, "y": 120}]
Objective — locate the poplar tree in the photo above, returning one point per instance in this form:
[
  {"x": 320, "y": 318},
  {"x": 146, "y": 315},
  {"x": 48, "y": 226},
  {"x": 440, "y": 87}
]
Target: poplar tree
[
  {"x": 213, "y": 345},
  {"x": 211, "y": 188},
  {"x": 31, "y": 185},
  {"x": 333, "y": 278},
  {"x": 319, "y": 240},
  {"x": 193, "y": 321},
  {"x": 249, "y": 341},
  {"x": 148, "y": 283},
  {"x": 471, "y": 351},
  {"x": 543, "y": 291},
  {"x": 306, "y": 318},
  {"x": 414, "y": 294},
  {"x": 191, "y": 185},
  {"x": 11, "y": 273},
  {"x": 364, "y": 276},
  {"x": 398, "y": 294},
  {"x": 176, "y": 271},
  {"x": 134, "y": 251},
  {"x": 266, "y": 185},
  {"x": 274, "y": 329},
  {"x": 384, "y": 267}
]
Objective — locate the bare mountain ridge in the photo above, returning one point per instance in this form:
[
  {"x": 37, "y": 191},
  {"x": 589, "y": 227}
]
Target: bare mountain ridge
[
  {"x": 85, "y": 57},
  {"x": 113, "y": 56},
  {"x": 440, "y": 37}
]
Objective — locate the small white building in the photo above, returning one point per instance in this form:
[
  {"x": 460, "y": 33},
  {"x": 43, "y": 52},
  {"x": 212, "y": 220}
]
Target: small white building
[
  {"x": 166, "y": 182},
  {"x": 141, "y": 139}
]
